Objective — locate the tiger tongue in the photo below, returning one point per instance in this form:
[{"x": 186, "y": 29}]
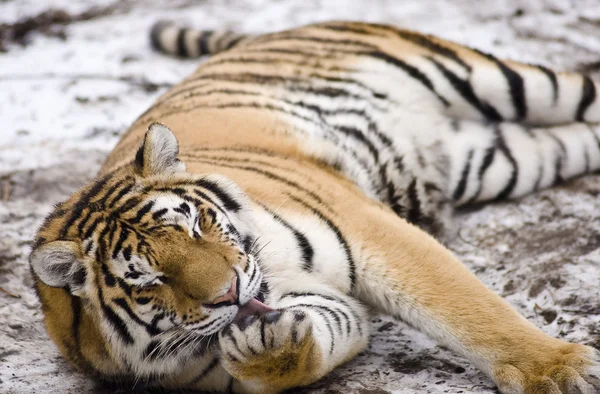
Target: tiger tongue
[{"x": 253, "y": 306}]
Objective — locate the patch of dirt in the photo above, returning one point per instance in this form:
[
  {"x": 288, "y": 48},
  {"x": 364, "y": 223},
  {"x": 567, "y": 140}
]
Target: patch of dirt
[{"x": 403, "y": 363}]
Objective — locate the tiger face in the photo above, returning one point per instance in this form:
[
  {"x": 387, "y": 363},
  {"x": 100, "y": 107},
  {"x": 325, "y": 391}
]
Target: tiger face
[{"x": 159, "y": 260}]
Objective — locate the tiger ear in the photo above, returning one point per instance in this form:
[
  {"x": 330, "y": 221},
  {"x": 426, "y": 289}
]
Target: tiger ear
[
  {"x": 57, "y": 264},
  {"x": 158, "y": 153}
]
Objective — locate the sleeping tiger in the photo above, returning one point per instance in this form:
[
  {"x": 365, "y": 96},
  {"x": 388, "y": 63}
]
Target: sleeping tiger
[{"x": 242, "y": 228}]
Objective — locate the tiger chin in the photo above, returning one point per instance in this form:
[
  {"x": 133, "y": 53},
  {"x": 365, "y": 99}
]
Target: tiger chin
[{"x": 242, "y": 247}]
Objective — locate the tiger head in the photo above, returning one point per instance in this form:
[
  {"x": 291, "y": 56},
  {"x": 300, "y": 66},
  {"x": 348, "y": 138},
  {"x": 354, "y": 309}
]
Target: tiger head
[{"x": 140, "y": 269}]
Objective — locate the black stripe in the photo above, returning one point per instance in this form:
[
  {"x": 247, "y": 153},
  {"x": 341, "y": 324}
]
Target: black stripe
[
  {"x": 558, "y": 161},
  {"x": 512, "y": 182},
  {"x": 234, "y": 41},
  {"x": 151, "y": 352},
  {"x": 82, "y": 203},
  {"x": 330, "y": 312},
  {"x": 553, "y": 81},
  {"x": 410, "y": 70},
  {"x": 158, "y": 214},
  {"x": 487, "y": 161},
  {"x": 140, "y": 214},
  {"x": 339, "y": 236},
  {"x": 76, "y": 310},
  {"x": 203, "y": 42},
  {"x": 103, "y": 240},
  {"x": 183, "y": 209},
  {"x": 329, "y": 298},
  {"x": 372, "y": 125},
  {"x": 586, "y": 157},
  {"x": 252, "y": 276},
  {"x": 82, "y": 361},
  {"x": 327, "y": 324},
  {"x": 122, "y": 303},
  {"x": 204, "y": 196},
  {"x": 540, "y": 172},
  {"x": 120, "y": 195},
  {"x": 465, "y": 89},
  {"x": 259, "y": 58},
  {"x": 516, "y": 86},
  {"x": 291, "y": 36},
  {"x": 263, "y": 340},
  {"x": 422, "y": 40},
  {"x": 119, "y": 244},
  {"x": 92, "y": 226},
  {"x": 264, "y": 291},
  {"x": 267, "y": 174},
  {"x": 222, "y": 38},
  {"x": 293, "y": 51},
  {"x": 181, "y": 47},
  {"x": 204, "y": 373},
  {"x": 217, "y": 320},
  {"x": 588, "y": 96},
  {"x": 115, "y": 321},
  {"x": 111, "y": 190},
  {"x": 331, "y": 92},
  {"x": 461, "y": 187},
  {"x": 347, "y": 130},
  {"x": 228, "y": 201},
  {"x": 348, "y": 28},
  {"x": 269, "y": 79},
  {"x": 127, "y": 206},
  {"x": 414, "y": 210},
  {"x": 84, "y": 220},
  {"x": 109, "y": 279},
  {"x": 428, "y": 43},
  {"x": 303, "y": 243},
  {"x": 360, "y": 137},
  {"x": 246, "y": 160},
  {"x": 155, "y": 33}
]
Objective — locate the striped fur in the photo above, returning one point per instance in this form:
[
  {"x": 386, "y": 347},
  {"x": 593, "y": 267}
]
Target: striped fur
[{"x": 305, "y": 168}]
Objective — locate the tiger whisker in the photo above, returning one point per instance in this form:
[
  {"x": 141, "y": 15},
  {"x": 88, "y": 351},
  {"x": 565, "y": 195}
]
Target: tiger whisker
[
  {"x": 157, "y": 348},
  {"x": 264, "y": 246}
]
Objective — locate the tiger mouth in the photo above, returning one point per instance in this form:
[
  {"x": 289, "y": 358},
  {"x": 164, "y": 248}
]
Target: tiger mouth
[{"x": 231, "y": 297}]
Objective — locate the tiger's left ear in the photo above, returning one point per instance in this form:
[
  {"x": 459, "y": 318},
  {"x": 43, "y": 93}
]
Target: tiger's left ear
[{"x": 158, "y": 153}]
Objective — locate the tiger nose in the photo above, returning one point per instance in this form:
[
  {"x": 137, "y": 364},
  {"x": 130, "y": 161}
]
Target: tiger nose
[{"x": 230, "y": 297}]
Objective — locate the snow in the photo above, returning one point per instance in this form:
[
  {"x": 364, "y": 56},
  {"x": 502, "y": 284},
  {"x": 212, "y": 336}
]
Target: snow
[{"x": 64, "y": 104}]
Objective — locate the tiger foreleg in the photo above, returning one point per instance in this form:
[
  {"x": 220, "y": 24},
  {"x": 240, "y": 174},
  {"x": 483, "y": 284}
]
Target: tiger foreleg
[
  {"x": 299, "y": 343},
  {"x": 409, "y": 275}
]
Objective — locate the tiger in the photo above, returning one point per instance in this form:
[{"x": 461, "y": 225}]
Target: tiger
[{"x": 246, "y": 225}]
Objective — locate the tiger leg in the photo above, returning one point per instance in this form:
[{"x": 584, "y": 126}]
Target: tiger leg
[
  {"x": 315, "y": 329},
  {"x": 407, "y": 274},
  {"x": 496, "y": 161},
  {"x": 484, "y": 87}
]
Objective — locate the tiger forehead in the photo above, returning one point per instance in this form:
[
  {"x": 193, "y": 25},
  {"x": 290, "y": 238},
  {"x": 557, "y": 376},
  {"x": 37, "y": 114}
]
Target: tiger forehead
[{"x": 169, "y": 206}]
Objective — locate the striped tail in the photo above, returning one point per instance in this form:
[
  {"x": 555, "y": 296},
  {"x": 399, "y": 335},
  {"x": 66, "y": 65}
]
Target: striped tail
[{"x": 167, "y": 37}]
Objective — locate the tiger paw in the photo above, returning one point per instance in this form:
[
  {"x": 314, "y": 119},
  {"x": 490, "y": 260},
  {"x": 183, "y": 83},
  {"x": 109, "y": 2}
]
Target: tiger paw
[
  {"x": 271, "y": 352},
  {"x": 561, "y": 369}
]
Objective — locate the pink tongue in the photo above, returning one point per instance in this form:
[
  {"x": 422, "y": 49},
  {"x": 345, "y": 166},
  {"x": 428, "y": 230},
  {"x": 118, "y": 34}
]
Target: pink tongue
[{"x": 253, "y": 306}]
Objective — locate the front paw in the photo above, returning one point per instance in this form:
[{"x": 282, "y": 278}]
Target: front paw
[
  {"x": 276, "y": 350},
  {"x": 558, "y": 369}
]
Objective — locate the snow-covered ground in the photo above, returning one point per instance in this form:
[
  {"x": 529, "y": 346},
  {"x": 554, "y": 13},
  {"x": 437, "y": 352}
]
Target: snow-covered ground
[{"x": 66, "y": 97}]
